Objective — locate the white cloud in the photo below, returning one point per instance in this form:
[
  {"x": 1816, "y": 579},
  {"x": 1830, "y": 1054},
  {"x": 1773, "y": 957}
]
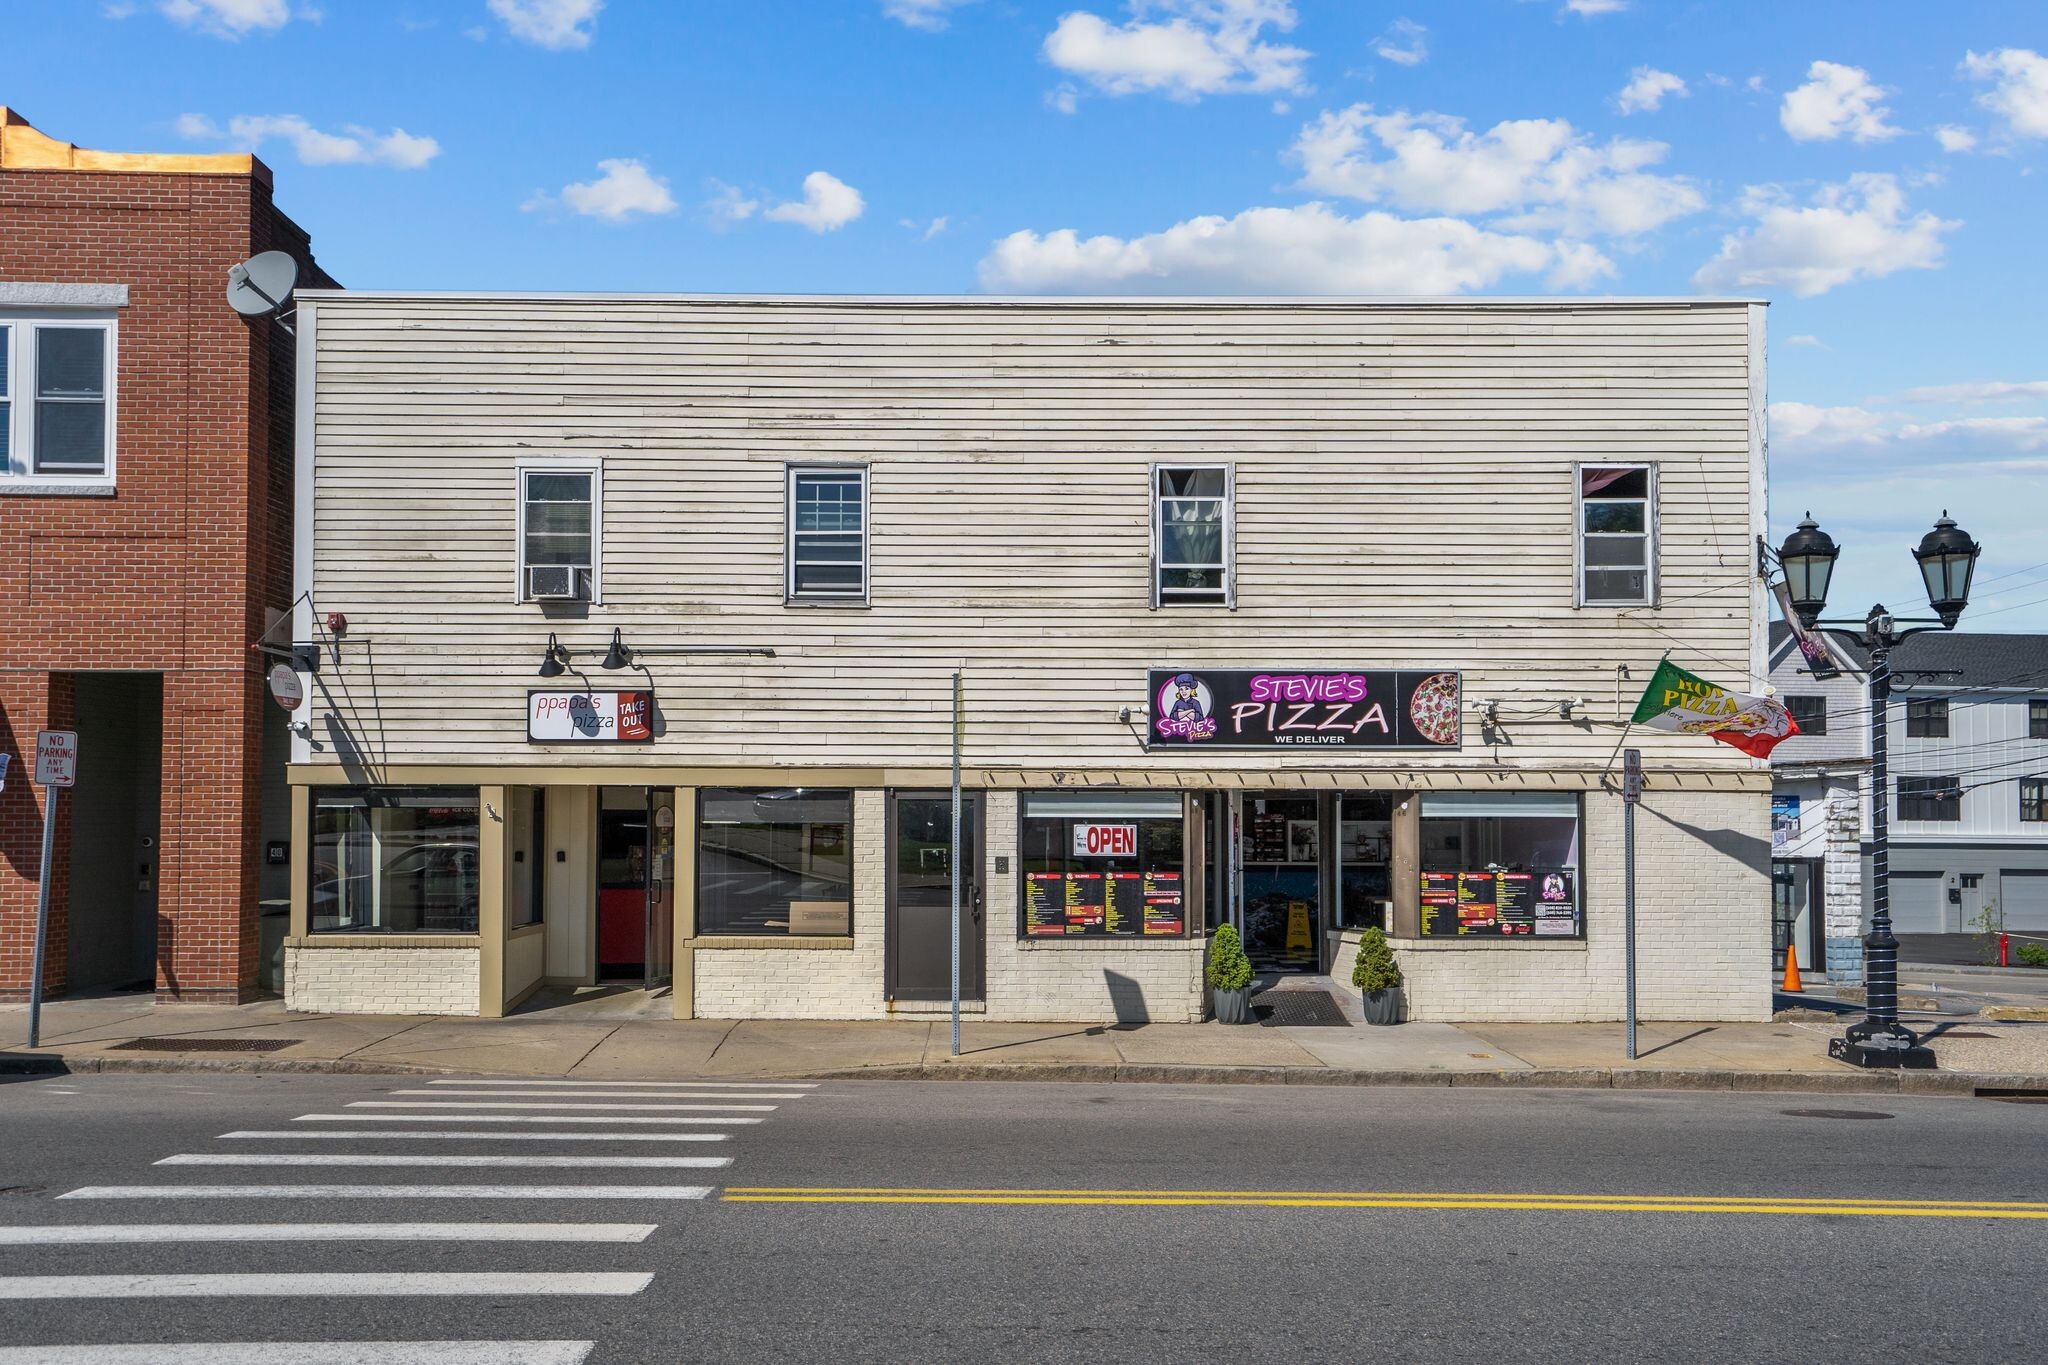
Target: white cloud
[
  {"x": 1979, "y": 391},
  {"x": 929, "y": 15},
  {"x": 925, "y": 231},
  {"x": 1954, "y": 139},
  {"x": 1544, "y": 172},
  {"x": 1310, "y": 249},
  {"x": 728, "y": 205},
  {"x": 1801, "y": 429},
  {"x": 2019, "y": 92},
  {"x": 1590, "y": 9},
  {"x": 1063, "y": 98},
  {"x": 1835, "y": 102},
  {"x": 1805, "y": 339},
  {"x": 353, "y": 146},
  {"x": 227, "y": 18},
  {"x": 1405, "y": 43},
  {"x": 1190, "y": 49},
  {"x": 626, "y": 189},
  {"x": 559, "y": 25},
  {"x": 1856, "y": 230},
  {"x": 829, "y": 204},
  {"x": 1646, "y": 89}
]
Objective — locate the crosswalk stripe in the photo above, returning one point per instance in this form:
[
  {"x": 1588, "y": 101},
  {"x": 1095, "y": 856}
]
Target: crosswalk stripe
[
  {"x": 319, "y": 1284},
  {"x": 723, "y": 1085},
  {"x": 379, "y": 1134},
  {"x": 70, "y": 1234},
  {"x": 635, "y": 1095},
  {"x": 509, "y": 1118},
  {"x": 306, "y": 1353},
  {"x": 528, "y": 1104},
  {"x": 388, "y": 1192},
  {"x": 359, "y": 1159}
]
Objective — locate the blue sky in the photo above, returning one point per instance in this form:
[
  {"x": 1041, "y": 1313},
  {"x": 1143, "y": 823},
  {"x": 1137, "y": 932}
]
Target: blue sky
[{"x": 1874, "y": 167}]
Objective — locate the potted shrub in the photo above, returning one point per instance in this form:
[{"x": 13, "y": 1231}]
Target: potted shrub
[
  {"x": 1377, "y": 978},
  {"x": 1230, "y": 977}
]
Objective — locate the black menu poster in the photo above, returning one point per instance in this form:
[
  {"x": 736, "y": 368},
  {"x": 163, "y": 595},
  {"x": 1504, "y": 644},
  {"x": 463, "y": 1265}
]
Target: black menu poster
[
  {"x": 1515, "y": 895},
  {"x": 1269, "y": 839},
  {"x": 1439, "y": 903},
  {"x": 1124, "y": 902},
  {"x": 1045, "y": 903},
  {"x": 1086, "y": 902},
  {"x": 1163, "y": 903},
  {"x": 1477, "y": 911}
]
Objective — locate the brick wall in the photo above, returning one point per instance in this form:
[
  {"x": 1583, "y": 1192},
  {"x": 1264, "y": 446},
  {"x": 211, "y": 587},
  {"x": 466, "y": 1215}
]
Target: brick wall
[
  {"x": 1703, "y": 927},
  {"x": 172, "y": 573},
  {"x": 383, "y": 980}
]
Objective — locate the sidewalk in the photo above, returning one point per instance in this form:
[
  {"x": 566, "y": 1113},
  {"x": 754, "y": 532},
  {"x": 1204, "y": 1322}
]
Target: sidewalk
[{"x": 623, "y": 1044}]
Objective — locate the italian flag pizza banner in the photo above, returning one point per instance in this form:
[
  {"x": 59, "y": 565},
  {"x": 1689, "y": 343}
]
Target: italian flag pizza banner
[{"x": 1681, "y": 701}]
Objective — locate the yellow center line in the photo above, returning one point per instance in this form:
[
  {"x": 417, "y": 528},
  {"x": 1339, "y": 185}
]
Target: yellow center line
[{"x": 1560, "y": 1203}]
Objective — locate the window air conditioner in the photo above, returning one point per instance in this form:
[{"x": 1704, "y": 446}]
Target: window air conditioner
[{"x": 553, "y": 583}]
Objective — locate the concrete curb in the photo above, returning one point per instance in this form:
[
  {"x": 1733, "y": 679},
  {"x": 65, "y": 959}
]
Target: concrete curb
[{"x": 1962, "y": 1084}]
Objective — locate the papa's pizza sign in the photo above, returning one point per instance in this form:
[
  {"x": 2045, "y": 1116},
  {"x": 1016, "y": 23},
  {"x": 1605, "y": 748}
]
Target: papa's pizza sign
[{"x": 1217, "y": 708}]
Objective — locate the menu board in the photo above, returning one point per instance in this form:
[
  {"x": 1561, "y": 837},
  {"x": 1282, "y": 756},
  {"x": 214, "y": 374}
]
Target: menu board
[
  {"x": 1542, "y": 902},
  {"x": 1163, "y": 913},
  {"x": 1268, "y": 838},
  {"x": 1064, "y": 904}
]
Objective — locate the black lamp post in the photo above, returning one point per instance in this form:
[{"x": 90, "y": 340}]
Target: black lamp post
[{"x": 1947, "y": 557}]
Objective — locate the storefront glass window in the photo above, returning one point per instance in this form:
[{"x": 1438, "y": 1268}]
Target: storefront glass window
[
  {"x": 526, "y": 834},
  {"x": 1107, "y": 864},
  {"x": 1501, "y": 865},
  {"x": 394, "y": 861},
  {"x": 1365, "y": 838},
  {"x": 776, "y": 861}
]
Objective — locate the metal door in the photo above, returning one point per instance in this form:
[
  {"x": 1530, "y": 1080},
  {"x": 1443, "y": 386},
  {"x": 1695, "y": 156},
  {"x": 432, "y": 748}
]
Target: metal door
[{"x": 920, "y": 932}]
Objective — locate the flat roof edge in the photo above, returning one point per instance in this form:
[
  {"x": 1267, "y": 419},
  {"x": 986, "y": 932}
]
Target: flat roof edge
[{"x": 1055, "y": 300}]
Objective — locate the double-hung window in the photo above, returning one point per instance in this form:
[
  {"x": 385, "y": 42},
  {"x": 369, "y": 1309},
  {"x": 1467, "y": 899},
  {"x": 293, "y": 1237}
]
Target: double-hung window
[
  {"x": 1927, "y": 718},
  {"x": 1617, "y": 535},
  {"x": 1194, "y": 524},
  {"x": 1931, "y": 798},
  {"x": 2037, "y": 720},
  {"x": 56, "y": 399},
  {"x": 560, "y": 532},
  {"x": 2034, "y": 799},
  {"x": 1810, "y": 714},
  {"x": 828, "y": 533}
]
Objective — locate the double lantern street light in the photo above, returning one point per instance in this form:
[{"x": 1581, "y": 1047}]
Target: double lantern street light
[{"x": 1947, "y": 557}]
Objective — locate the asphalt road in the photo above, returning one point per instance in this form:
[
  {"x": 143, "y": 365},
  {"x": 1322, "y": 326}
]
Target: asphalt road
[{"x": 1007, "y": 1222}]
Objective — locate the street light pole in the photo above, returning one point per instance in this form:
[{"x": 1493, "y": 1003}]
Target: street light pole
[{"x": 1947, "y": 558}]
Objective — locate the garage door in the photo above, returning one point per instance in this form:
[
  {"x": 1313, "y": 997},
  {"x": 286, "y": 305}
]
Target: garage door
[
  {"x": 1916, "y": 904},
  {"x": 2023, "y": 896}
]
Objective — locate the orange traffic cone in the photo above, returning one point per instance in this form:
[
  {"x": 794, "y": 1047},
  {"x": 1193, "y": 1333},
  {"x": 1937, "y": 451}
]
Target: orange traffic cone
[{"x": 1792, "y": 986}]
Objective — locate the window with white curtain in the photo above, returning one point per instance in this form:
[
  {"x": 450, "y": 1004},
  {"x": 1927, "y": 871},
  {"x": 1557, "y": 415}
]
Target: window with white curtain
[{"x": 1193, "y": 529}]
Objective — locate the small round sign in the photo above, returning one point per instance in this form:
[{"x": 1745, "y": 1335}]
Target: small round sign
[{"x": 286, "y": 688}]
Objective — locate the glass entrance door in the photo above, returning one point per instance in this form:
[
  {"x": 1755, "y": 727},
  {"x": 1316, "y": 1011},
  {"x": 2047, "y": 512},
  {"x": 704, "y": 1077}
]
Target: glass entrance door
[
  {"x": 920, "y": 919},
  {"x": 661, "y": 885},
  {"x": 1281, "y": 841},
  {"x": 1795, "y": 902}
]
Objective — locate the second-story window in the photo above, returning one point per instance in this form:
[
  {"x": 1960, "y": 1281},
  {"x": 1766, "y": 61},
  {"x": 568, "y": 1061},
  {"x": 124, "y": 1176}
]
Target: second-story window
[
  {"x": 1927, "y": 718},
  {"x": 1809, "y": 713},
  {"x": 2037, "y": 720},
  {"x": 559, "y": 535},
  {"x": 828, "y": 533},
  {"x": 1931, "y": 798},
  {"x": 1193, "y": 528},
  {"x": 2034, "y": 799},
  {"x": 1617, "y": 535},
  {"x": 56, "y": 400}
]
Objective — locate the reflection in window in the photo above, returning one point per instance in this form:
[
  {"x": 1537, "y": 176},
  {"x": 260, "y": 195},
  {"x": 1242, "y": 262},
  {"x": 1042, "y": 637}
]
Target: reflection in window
[
  {"x": 394, "y": 861},
  {"x": 758, "y": 851}
]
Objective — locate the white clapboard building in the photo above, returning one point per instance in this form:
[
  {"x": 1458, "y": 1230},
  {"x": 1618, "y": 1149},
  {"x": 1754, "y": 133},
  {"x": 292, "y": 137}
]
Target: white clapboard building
[
  {"x": 640, "y": 620},
  {"x": 1967, "y": 733}
]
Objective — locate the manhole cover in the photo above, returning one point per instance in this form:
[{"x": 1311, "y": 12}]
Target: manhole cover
[
  {"x": 1299, "y": 1009},
  {"x": 1834, "y": 1114},
  {"x": 203, "y": 1045}
]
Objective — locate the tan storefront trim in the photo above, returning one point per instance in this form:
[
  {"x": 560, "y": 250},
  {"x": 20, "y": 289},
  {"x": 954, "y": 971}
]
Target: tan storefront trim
[
  {"x": 384, "y": 941},
  {"x": 783, "y": 941}
]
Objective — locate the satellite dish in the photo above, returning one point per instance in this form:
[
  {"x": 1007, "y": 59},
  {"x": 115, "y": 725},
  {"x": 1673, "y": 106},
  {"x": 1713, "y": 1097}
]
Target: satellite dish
[{"x": 262, "y": 283}]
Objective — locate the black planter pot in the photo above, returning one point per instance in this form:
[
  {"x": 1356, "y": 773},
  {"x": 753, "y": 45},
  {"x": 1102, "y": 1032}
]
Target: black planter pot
[
  {"x": 1382, "y": 1007},
  {"x": 1233, "y": 1007}
]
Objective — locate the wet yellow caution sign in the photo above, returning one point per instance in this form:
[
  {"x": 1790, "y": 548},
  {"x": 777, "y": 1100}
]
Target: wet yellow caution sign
[{"x": 1298, "y": 936}]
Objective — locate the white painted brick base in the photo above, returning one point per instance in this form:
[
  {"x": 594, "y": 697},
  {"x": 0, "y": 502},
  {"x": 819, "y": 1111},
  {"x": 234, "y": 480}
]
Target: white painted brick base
[{"x": 382, "y": 980}]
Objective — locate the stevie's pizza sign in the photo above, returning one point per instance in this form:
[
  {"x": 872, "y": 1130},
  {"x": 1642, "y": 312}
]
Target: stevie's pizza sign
[{"x": 1214, "y": 708}]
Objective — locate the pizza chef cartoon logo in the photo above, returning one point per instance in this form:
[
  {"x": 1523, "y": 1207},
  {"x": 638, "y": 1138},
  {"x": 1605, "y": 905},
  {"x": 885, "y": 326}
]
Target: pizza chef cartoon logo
[{"x": 1184, "y": 707}]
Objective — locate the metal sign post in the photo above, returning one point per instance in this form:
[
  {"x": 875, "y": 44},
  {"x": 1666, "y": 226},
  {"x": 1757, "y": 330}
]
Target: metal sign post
[
  {"x": 954, "y": 862},
  {"x": 56, "y": 769},
  {"x": 1631, "y": 797}
]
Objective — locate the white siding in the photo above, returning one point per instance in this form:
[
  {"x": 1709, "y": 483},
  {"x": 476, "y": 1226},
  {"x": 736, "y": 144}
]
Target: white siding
[
  {"x": 1404, "y": 476},
  {"x": 1988, "y": 749}
]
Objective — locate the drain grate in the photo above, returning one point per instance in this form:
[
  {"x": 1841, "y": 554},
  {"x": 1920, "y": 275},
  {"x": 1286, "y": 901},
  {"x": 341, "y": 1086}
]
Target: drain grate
[
  {"x": 1299, "y": 1009},
  {"x": 203, "y": 1045}
]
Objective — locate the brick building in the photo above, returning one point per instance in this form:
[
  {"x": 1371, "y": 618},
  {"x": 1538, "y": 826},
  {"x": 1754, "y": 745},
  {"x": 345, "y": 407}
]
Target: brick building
[{"x": 146, "y": 512}]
